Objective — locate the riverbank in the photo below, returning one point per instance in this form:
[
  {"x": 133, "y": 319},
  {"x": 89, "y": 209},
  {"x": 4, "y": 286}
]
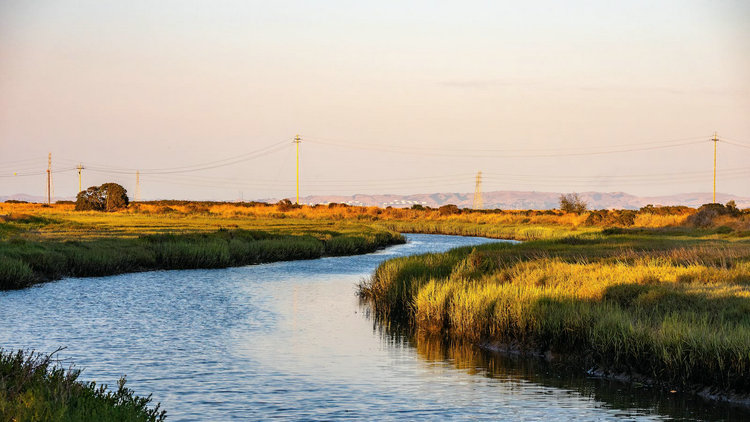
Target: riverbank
[
  {"x": 34, "y": 388},
  {"x": 670, "y": 304},
  {"x": 28, "y": 261}
]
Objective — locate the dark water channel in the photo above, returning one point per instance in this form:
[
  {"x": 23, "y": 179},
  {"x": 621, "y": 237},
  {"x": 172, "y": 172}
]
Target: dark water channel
[{"x": 291, "y": 341}]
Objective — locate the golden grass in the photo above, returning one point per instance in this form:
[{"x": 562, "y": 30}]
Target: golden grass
[{"x": 673, "y": 308}]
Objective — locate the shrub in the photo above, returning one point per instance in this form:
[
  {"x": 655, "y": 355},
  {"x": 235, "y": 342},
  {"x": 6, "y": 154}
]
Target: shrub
[
  {"x": 286, "y": 205},
  {"x": 449, "y": 209},
  {"x": 572, "y": 203},
  {"x": 707, "y": 213},
  {"x": 611, "y": 218}
]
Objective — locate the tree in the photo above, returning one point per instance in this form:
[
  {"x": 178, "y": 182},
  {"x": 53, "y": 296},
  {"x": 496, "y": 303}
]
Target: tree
[
  {"x": 107, "y": 197},
  {"x": 572, "y": 203}
]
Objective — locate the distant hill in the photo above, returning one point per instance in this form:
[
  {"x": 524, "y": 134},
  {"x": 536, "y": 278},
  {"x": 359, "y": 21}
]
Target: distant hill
[
  {"x": 508, "y": 200},
  {"x": 516, "y": 200}
]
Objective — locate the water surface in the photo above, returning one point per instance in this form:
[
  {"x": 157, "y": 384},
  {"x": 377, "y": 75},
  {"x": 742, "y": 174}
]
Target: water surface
[{"x": 290, "y": 340}]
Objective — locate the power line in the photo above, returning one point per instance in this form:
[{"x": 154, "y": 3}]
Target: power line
[
  {"x": 261, "y": 152},
  {"x": 514, "y": 153},
  {"x": 737, "y": 144}
]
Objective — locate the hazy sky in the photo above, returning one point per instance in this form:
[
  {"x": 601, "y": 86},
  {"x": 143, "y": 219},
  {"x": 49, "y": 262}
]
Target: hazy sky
[{"x": 388, "y": 96}]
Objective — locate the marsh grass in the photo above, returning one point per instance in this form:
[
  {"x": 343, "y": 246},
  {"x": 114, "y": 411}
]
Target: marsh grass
[
  {"x": 33, "y": 387},
  {"x": 25, "y": 262},
  {"x": 673, "y": 308}
]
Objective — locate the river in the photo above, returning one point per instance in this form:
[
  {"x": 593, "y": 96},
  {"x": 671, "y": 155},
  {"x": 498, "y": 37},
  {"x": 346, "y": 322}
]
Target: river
[{"x": 290, "y": 340}]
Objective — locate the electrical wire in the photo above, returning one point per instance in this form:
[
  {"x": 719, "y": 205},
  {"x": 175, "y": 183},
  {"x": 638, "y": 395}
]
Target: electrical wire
[
  {"x": 261, "y": 152},
  {"x": 498, "y": 153}
]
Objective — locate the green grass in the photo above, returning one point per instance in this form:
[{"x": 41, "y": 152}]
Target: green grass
[
  {"x": 25, "y": 262},
  {"x": 33, "y": 388},
  {"x": 671, "y": 305}
]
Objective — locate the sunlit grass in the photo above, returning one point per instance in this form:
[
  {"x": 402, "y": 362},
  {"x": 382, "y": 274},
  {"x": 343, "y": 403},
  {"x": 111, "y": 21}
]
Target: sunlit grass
[
  {"x": 41, "y": 244},
  {"x": 675, "y": 309}
]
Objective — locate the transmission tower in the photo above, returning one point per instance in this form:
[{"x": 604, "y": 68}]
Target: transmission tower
[
  {"x": 137, "y": 186},
  {"x": 478, "y": 193},
  {"x": 715, "y": 142}
]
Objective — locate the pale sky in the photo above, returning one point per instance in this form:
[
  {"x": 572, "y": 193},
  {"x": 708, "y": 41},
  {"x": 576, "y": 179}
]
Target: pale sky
[{"x": 388, "y": 96}]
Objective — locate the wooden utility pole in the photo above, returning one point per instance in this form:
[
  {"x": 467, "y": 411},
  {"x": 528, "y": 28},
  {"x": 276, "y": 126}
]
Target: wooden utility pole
[
  {"x": 80, "y": 167},
  {"x": 49, "y": 179}
]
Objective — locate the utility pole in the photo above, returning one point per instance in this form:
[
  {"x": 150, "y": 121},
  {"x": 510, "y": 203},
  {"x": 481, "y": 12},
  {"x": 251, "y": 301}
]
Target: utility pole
[
  {"x": 80, "y": 167},
  {"x": 715, "y": 142},
  {"x": 297, "y": 141},
  {"x": 137, "y": 186},
  {"x": 49, "y": 179},
  {"x": 478, "y": 193}
]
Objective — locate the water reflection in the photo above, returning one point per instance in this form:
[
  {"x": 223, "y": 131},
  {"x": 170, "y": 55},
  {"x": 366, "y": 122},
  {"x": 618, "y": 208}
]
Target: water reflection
[{"x": 516, "y": 371}]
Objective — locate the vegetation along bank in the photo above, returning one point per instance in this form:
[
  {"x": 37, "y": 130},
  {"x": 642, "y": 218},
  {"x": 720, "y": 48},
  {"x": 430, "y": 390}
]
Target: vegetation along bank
[
  {"x": 670, "y": 305},
  {"x": 33, "y": 387},
  {"x": 43, "y": 244}
]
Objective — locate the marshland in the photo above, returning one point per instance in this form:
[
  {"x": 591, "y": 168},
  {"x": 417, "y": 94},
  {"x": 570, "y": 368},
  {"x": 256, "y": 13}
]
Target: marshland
[{"x": 655, "y": 297}]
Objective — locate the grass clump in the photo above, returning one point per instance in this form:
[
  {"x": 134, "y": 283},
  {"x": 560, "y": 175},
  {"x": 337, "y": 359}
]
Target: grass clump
[
  {"x": 33, "y": 388},
  {"x": 673, "y": 308}
]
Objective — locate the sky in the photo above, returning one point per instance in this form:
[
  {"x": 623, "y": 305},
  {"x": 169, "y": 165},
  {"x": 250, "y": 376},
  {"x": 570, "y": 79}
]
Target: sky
[{"x": 204, "y": 98}]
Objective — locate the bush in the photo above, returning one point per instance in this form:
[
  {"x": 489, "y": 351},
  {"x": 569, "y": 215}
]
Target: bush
[
  {"x": 611, "y": 218},
  {"x": 286, "y": 205},
  {"x": 449, "y": 209},
  {"x": 665, "y": 210},
  {"x": 707, "y": 213},
  {"x": 572, "y": 203}
]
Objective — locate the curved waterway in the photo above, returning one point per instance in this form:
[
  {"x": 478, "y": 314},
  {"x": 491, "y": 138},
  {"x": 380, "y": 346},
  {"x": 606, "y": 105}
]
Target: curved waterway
[{"x": 290, "y": 340}]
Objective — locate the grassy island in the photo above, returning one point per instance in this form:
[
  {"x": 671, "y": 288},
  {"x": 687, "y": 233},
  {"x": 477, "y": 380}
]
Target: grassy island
[{"x": 667, "y": 304}]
